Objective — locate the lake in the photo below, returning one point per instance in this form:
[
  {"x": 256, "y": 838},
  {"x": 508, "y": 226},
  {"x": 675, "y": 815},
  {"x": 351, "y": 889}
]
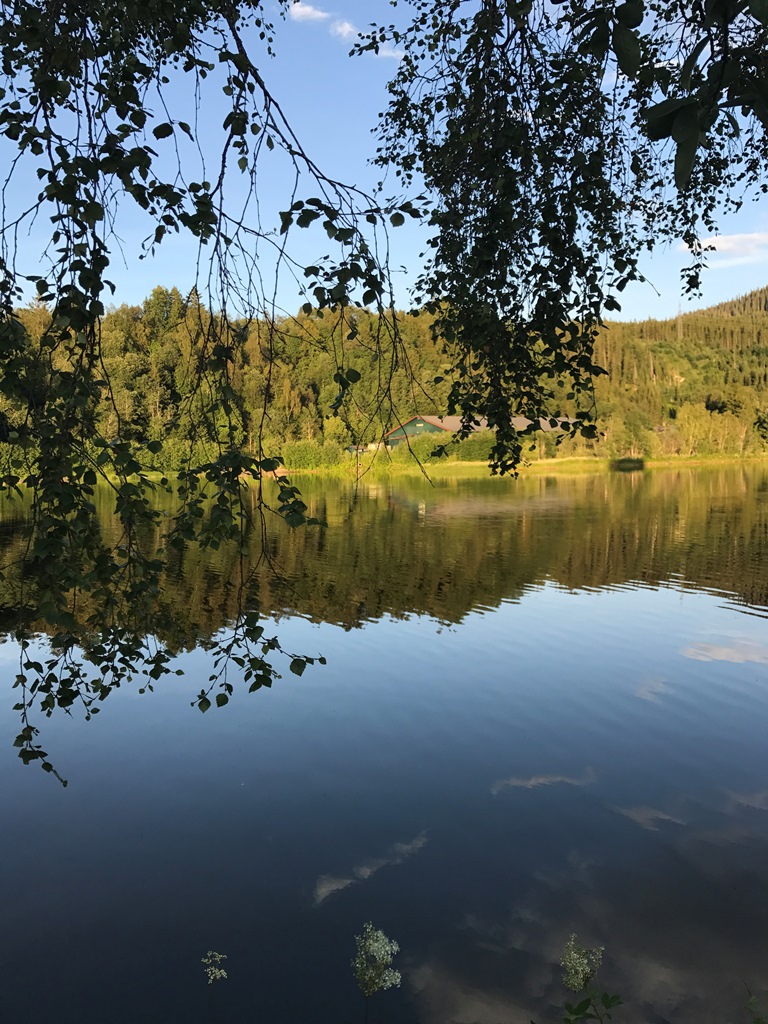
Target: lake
[{"x": 544, "y": 711}]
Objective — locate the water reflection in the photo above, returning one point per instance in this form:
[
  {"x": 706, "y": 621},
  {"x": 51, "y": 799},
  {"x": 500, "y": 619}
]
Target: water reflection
[
  {"x": 486, "y": 542},
  {"x": 327, "y": 885},
  {"x": 582, "y": 750}
]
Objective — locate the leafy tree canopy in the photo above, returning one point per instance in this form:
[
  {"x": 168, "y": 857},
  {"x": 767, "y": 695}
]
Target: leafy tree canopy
[
  {"x": 544, "y": 144},
  {"x": 557, "y": 141}
]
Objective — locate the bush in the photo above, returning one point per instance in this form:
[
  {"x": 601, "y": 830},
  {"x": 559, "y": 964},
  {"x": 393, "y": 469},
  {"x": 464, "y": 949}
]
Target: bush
[
  {"x": 310, "y": 454},
  {"x": 421, "y": 445},
  {"x": 476, "y": 447},
  {"x": 302, "y": 454}
]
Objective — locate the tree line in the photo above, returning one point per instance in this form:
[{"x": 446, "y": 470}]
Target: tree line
[{"x": 309, "y": 387}]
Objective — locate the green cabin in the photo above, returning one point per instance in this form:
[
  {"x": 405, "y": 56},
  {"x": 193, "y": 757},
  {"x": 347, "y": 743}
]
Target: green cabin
[{"x": 423, "y": 425}]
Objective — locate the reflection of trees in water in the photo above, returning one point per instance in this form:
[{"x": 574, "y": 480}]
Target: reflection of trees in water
[
  {"x": 463, "y": 545},
  {"x": 390, "y": 549},
  {"x": 406, "y": 548}
]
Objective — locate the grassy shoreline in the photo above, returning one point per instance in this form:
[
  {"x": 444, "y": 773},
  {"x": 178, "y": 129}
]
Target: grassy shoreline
[{"x": 571, "y": 466}]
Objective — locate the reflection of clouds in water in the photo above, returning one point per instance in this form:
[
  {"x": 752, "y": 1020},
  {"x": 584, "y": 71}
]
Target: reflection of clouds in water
[
  {"x": 678, "y": 921},
  {"x": 327, "y": 885},
  {"x": 665, "y": 960},
  {"x": 575, "y": 870},
  {"x": 738, "y": 652},
  {"x": 444, "y": 995},
  {"x": 757, "y": 801},
  {"x": 651, "y": 690},
  {"x": 648, "y": 817},
  {"x": 678, "y": 915},
  {"x": 10, "y": 651},
  {"x": 546, "y": 780}
]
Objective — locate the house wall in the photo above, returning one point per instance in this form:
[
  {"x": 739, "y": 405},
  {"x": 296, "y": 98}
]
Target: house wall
[{"x": 411, "y": 429}]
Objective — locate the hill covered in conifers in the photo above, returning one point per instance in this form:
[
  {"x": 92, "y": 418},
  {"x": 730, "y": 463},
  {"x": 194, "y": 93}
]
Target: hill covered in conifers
[{"x": 693, "y": 385}]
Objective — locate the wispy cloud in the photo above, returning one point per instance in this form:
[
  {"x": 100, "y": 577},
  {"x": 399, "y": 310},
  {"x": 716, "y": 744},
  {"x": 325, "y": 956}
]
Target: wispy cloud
[
  {"x": 301, "y": 11},
  {"x": 327, "y": 885},
  {"x": 545, "y": 780}
]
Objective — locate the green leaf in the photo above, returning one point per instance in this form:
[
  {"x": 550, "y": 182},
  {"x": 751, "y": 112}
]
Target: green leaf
[
  {"x": 203, "y": 704},
  {"x": 661, "y": 116},
  {"x": 297, "y": 666},
  {"x": 162, "y": 131},
  {"x": 397, "y": 220},
  {"x": 686, "y": 123},
  {"x": 684, "y": 160},
  {"x": 692, "y": 60},
  {"x": 626, "y": 46},
  {"x": 353, "y": 376},
  {"x": 630, "y": 13},
  {"x": 221, "y": 700},
  {"x": 609, "y": 1001}
]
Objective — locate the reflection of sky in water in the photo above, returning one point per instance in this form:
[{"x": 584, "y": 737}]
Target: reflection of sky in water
[{"x": 565, "y": 763}]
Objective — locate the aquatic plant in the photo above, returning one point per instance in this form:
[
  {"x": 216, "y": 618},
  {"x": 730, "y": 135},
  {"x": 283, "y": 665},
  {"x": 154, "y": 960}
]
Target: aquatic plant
[
  {"x": 580, "y": 966},
  {"x": 212, "y": 963},
  {"x": 372, "y": 963}
]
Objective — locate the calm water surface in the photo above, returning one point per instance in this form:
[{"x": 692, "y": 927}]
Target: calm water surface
[{"x": 545, "y": 710}]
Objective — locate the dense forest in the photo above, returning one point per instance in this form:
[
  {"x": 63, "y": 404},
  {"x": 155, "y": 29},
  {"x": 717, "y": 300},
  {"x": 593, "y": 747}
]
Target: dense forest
[{"x": 692, "y": 386}]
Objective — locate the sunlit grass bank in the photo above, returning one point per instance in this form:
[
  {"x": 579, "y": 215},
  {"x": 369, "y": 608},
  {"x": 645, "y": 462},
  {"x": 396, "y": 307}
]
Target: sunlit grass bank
[{"x": 570, "y": 466}]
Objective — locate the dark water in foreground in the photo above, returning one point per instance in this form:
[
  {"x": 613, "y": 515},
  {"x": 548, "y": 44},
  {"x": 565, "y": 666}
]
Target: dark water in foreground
[{"x": 545, "y": 710}]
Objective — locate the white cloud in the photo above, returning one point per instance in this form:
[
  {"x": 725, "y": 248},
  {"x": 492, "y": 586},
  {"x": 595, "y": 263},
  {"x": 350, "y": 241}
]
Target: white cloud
[
  {"x": 385, "y": 50},
  {"x": 301, "y": 11},
  {"x": 739, "y": 245},
  {"x": 341, "y": 28},
  {"x": 344, "y": 30},
  {"x": 737, "y": 250}
]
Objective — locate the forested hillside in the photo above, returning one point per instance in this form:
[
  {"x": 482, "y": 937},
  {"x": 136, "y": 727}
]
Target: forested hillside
[{"x": 695, "y": 385}]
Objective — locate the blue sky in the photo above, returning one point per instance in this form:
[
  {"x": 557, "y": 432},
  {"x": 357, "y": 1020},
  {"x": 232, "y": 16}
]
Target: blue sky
[
  {"x": 332, "y": 101},
  {"x": 738, "y": 264}
]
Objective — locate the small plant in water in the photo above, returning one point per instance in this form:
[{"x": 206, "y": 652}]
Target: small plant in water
[
  {"x": 580, "y": 967},
  {"x": 373, "y": 963},
  {"x": 212, "y": 963}
]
